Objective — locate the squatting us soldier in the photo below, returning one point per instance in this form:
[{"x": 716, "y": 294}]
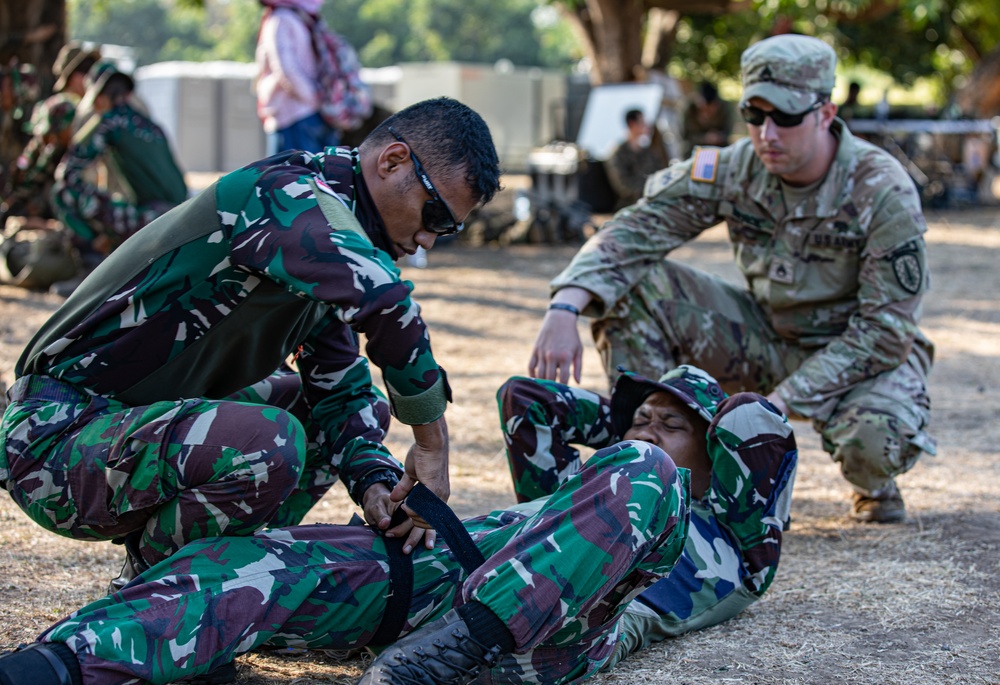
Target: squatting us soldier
[
  {"x": 828, "y": 232},
  {"x": 155, "y": 406}
]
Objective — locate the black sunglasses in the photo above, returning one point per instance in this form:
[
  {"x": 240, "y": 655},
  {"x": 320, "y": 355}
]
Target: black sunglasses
[
  {"x": 436, "y": 215},
  {"x": 756, "y": 115}
]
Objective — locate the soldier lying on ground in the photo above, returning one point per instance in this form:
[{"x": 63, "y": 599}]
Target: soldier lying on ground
[
  {"x": 531, "y": 613},
  {"x": 828, "y": 233},
  {"x": 155, "y": 406},
  {"x": 741, "y": 482}
]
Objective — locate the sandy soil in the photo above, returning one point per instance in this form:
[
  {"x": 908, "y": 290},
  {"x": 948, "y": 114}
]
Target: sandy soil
[{"x": 910, "y": 603}]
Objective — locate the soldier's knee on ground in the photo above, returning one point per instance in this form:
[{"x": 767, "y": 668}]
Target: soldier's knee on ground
[{"x": 871, "y": 447}]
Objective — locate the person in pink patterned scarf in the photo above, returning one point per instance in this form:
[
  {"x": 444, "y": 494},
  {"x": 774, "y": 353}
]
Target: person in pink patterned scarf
[{"x": 288, "y": 87}]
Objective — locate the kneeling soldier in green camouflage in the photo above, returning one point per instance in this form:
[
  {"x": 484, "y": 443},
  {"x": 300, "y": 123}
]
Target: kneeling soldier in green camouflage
[
  {"x": 156, "y": 405},
  {"x": 828, "y": 232},
  {"x": 137, "y": 151}
]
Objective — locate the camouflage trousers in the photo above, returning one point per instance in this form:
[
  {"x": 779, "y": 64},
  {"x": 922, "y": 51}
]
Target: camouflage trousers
[
  {"x": 679, "y": 315},
  {"x": 734, "y": 539},
  {"x": 326, "y": 586},
  {"x": 89, "y": 467},
  {"x": 89, "y": 212}
]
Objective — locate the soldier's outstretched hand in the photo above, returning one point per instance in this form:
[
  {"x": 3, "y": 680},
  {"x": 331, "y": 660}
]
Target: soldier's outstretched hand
[{"x": 558, "y": 349}]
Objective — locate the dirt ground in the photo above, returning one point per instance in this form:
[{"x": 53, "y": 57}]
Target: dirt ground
[{"x": 916, "y": 602}]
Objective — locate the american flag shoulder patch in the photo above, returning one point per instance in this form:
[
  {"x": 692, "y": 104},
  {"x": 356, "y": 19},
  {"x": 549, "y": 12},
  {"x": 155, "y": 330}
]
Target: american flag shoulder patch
[{"x": 706, "y": 164}]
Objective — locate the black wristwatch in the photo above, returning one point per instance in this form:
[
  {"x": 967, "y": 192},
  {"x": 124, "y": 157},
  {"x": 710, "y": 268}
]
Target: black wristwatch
[{"x": 380, "y": 476}]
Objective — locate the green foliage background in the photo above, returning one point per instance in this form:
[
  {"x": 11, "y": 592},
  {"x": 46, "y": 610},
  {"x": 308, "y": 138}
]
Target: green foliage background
[
  {"x": 920, "y": 38},
  {"x": 384, "y": 32},
  {"x": 935, "y": 40}
]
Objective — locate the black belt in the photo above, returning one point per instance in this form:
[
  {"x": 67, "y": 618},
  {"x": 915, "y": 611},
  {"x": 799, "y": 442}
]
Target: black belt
[{"x": 431, "y": 509}]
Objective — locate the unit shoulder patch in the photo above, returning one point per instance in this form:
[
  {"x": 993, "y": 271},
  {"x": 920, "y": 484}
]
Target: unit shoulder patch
[{"x": 906, "y": 266}]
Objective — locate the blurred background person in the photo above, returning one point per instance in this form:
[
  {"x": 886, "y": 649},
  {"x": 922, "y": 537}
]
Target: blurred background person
[
  {"x": 634, "y": 159},
  {"x": 849, "y": 107},
  {"x": 138, "y": 152},
  {"x": 19, "y": 91},
  {"x": 28, "y": 188},
  {"x": 288, "y": 85},
  {"x": 708, "y": 119}
]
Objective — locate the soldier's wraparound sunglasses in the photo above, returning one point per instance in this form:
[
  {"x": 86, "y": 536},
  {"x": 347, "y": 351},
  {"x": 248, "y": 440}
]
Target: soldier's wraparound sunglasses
[
  {"x": 755, "y": 115},
  {"x": 436, "y": 214}
]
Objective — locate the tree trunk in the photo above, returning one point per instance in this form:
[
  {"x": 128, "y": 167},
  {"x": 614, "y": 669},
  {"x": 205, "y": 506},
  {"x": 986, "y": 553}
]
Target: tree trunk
[
  {"x": 611, "y": 32},
  {"x": 658, "y": 46},
  {"x": 980, "y": 98},
  {"x": 32, "y": 32}
]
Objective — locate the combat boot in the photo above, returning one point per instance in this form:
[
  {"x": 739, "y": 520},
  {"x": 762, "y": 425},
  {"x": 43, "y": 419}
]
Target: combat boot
[
  {"x": 133, "y": 566},
  {"x": 40, "y": 663},
  {"x": 441, "y": 653},
  {"x": 886, "y": 506}
]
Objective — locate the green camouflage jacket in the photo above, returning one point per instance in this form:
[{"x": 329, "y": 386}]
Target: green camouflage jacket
[{"x": 214, "y": 295}]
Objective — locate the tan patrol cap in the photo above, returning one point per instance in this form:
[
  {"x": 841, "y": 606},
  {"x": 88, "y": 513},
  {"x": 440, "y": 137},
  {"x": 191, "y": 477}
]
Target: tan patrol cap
[
  {"x": 789, "y": 71},
  {"x": 69, "y": 59}
]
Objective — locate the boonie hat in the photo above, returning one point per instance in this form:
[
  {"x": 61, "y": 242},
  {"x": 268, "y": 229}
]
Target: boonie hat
[
  {"x": 694, "y": 387},
  {"x": 70, "y": 56},
  {"x": 53, "y": 115},
  {"x": 789, "y": 71},
  {"x": 97, "y": 78}
]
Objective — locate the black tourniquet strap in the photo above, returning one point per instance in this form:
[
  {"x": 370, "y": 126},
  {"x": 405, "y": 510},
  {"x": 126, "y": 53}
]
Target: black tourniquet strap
[
  {"x": 443, "y": 519},
  {"x": 397, "y": 604}
]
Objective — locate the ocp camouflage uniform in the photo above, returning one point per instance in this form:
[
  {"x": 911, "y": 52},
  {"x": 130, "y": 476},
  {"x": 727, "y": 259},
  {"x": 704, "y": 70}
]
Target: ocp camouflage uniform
[
  {"x": 734, "y": 539},
  {"x": 829, "y": 316},
  {"x": 157, "y": 395},
  {"x": 326, "y": 587},
  {"x": 137, "y": 152}
]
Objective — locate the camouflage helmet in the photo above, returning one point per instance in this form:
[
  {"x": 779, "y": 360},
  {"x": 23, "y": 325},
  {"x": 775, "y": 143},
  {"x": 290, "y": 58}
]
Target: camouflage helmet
[
  {"x": 53, "y": 115},
  {"x": 71, "y": 56},
  {"x": 694, "y": 387},
  {"x": 789, "y": 71}
]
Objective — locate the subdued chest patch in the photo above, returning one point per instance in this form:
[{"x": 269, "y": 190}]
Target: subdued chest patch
[
  {"x": 706, "y": 165},
  {"x": 908, "y": 272},
  {"x": 782, "y": 270}
]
